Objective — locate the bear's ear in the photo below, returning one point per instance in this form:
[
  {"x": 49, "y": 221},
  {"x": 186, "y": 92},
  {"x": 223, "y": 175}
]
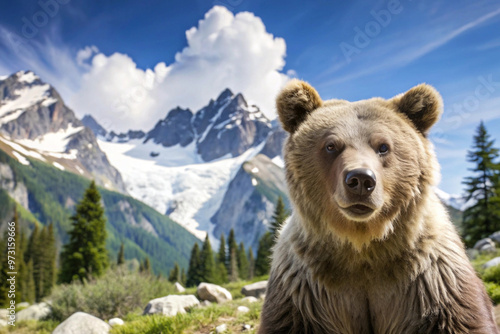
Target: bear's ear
[
  {"x": 295, "y": 101},
  {"x": 422, "y": 104}
]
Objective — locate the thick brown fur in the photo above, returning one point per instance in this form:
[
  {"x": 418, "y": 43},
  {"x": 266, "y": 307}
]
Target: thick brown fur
[{"x": 402, "y": 269}]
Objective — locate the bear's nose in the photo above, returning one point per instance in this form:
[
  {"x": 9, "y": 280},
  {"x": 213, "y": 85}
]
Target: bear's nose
[{"x": 360, "y": 181}]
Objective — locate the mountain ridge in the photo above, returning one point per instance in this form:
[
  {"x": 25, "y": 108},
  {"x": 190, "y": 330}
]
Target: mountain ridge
[{"x": 33, "y": 113}]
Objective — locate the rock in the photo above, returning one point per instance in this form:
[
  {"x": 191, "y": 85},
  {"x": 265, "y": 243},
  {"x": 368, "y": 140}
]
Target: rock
[
  {"x": 22, "y": 305},
  {"x": 82, "y": 323},
  {"x": 179, "y": 287},
  {"x": 249, "y": 299},
  {"x": 4, "y": 314},
  {"x": 262, "y": 297},
  {"x": 255, "y": 289},
  {"x": 243, "y": 309},
  {"x": 3, "y": 323},
  {"x": 221, "y": 329},
  {"x": 213, "y": 293},
  {"x": 492, "y": 263},
  {"x": 472, "y": 253},
  {"x": 34, "y": 312},
  {"x": 246, "y": 327},
  {"x": 206, "y": 303},
  {"x": 485, "y": 244},
  {"x": 171, "y": 305},
  {"x": 495, "y": 236},
  {"x": 116, "y": 322}
]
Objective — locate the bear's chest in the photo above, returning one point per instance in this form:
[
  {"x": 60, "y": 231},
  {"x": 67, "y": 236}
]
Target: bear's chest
[{"x": 359, "y": 310}]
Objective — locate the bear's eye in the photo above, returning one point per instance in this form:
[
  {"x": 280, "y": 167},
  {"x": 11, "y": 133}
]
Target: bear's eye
[
  {"x": 330, "y": 148},
  {"x": 383, "y": 149}
]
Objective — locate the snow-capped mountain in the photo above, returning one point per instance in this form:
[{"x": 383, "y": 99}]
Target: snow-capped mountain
[
  {"x": 193, "y": 165},
  {"x": 225, "y": 126},
  {"x": 35, "y": 123},
  {"x": 455, "y": 201}
]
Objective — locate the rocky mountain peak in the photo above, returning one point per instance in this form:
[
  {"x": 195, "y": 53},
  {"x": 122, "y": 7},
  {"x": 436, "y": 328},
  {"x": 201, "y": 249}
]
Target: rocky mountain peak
[
  {"x": 33, "y": 112},
  {"x": 226, "y": 93},
  {"x": 227, "y": 125},
  {"x": 91, "y": 123}
]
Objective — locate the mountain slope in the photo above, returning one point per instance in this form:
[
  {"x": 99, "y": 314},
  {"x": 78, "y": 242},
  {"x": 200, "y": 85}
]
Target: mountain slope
[
  {"x": 50, "y": 195},
  {"x": 250, "y": 199},
  {"x": 33, "y": 113}
]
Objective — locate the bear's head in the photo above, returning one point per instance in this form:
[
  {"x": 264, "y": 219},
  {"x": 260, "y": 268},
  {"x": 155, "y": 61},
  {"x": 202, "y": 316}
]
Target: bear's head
[{"x": 354, "y": 168}]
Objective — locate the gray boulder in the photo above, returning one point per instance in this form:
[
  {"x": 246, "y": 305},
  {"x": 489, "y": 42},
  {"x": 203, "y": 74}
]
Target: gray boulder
[
  {"x": 492, "y": 263},
  {"x": 221, "y": 328},
  {"x": 82, "y": 323},
  {"x": 243, "y": 309},
  {"x": 485, "y": 244},
  {"x": 249, "y": 300},
  {"x": 255, "y": 290},
  {"x": 116, "y": 322},
  {"x": 34, "y": 312},
  {"x": 495, "y": 236},
  {"x": 171, "y": 305},
  {"x": 213, "y": 293}
]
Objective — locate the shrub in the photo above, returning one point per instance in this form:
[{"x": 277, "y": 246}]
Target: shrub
[
  {"x": 493, "y": 291},
  {"x": 492, "y": 274},
  {"x": 115, "y": 294}
]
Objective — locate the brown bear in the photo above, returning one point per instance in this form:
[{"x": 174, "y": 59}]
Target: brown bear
[{"x": 369, "y": 247}]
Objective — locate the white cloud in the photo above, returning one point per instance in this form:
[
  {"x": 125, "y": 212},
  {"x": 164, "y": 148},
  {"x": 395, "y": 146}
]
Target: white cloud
[
  {"x": 224, "y": 50},
  {"x": 85, "y": 54},
  {"x": 117, "y": 93}
]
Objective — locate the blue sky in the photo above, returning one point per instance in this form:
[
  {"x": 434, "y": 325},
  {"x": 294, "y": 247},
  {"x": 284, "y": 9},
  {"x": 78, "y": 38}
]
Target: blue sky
[{"x": 128, "y": 62}]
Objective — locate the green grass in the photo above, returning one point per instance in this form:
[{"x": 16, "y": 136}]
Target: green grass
[
  {"x": 30, "y": 327},
  {"x": 97, "y": 297},
  {"x": 196, "y": 320}
]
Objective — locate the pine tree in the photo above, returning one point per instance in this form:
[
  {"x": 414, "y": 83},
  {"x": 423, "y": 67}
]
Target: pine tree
[
  {"x": 194, "y": 274},
  {"x": 242, "y": 262},
  {"x": 35, "y": 255},
  {"x": 482, "y": 218},
  {"x": 183, "y": 277},
  {"x": 145, "y": 267},
  {"x": 232, "y": 248},
  {"x": 30, "y": 292},
  {"x": 174, "y": 274},
  {"x": 220, "y": 273},
  {"x": 279, "y": 217},
  {"x": 48, "y": 261},
  {"x": 251, "y": 264},
  {"x": 263, "y": 261},
  {"x": 233, "y": 277},
  {"x": 220, "y": 263},
  {"x": 121, "y": 255},
  {"x": 25, "y": 275},
  {"x": 86, "y": 253},
  {"x": 207, "y": 262},
  {"x": 221, "y": 255}
]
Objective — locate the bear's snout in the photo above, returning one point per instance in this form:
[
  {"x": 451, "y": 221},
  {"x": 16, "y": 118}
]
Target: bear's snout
[{"x": 360, "y": 181}]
